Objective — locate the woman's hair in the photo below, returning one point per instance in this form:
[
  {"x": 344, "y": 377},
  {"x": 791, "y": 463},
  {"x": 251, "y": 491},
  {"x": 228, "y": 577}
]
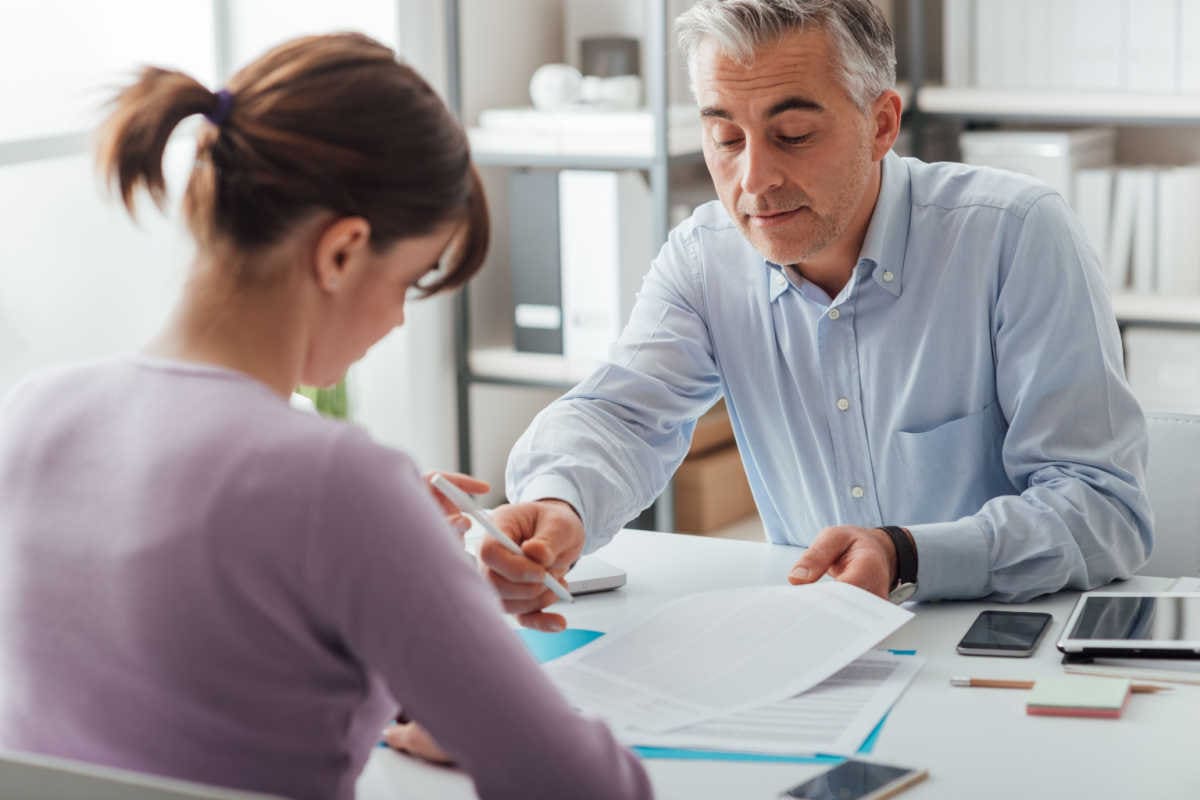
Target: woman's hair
[
  {"x": 330, "y": 123},
  {"x": 860, "y": 33}
]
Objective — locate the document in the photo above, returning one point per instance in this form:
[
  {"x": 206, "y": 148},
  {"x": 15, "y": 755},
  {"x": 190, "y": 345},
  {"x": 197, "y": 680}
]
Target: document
[
  {"x": 716, "y": 653},
  {"x": 832, "y": 718}
]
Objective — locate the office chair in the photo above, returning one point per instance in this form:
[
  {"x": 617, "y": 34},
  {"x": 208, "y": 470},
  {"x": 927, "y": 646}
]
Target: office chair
[
  {"x": 1173, "y": 483},
  {"x": 35, "y": 777}
]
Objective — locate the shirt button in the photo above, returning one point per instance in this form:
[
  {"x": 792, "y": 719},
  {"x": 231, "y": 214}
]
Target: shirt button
[
  {"x": 856, "y": 492},
  {"x": 888, "y": 276},
  {"x": 834, "y": 313},
  {"x": 843, "y": 404}
]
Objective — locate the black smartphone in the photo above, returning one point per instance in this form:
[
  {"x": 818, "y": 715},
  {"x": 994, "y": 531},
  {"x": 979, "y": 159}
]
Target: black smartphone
[
  {"x": 857, "y": 780},
  {"x": 1004, "y": 633}
]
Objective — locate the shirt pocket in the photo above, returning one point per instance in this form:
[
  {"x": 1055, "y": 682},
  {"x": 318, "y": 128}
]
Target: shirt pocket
[{"x": 953, "y": 468}]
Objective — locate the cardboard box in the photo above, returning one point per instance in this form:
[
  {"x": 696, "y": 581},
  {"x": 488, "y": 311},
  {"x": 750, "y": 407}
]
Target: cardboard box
[
  {"x": 713, "y": 430},
  {"x": 711, "y": 491}
]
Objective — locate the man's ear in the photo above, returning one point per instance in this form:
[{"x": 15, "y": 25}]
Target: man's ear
[
  {"x": 885, "y": 116},
  {"x": 339, "y": 250}
]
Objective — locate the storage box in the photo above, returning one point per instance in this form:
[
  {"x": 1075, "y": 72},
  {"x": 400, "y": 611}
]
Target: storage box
[
  {"x": 1050, "y": 156},
  {"x": 713, "y": 430},
  {"x": 711, "y": 491},
  {"x": 1164, "y": 368}
]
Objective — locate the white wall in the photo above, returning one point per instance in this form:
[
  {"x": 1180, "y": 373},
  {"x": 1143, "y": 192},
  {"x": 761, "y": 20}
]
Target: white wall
[{"x": 78, "y": 279}]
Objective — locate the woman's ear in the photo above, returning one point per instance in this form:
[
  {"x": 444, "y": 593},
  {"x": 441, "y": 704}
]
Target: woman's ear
[{"x": 341, "y": 248}]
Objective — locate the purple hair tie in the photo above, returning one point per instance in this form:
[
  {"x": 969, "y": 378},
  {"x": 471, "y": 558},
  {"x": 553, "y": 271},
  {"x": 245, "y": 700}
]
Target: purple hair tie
[{"x": 221, "y": 113}]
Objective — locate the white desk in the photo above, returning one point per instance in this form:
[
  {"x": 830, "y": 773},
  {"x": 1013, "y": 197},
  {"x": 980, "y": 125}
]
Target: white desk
[{"x": 976, "y": 743}]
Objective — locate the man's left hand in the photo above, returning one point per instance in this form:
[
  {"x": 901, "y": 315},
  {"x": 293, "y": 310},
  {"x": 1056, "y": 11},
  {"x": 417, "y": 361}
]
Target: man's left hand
[{"x": 864, "y": 557}]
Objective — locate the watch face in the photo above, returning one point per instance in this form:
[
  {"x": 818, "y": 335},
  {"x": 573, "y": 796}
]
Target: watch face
[{"x": 902, "y": 592}]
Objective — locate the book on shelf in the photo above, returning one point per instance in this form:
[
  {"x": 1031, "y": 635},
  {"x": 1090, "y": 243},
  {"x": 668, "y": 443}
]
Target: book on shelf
[
  {"x": 1151, "y": 45},
  {"x": 958, "y": 19},
  {"x": 1178, "y": 232},
  {"x": 535, "y": 261},
  {"x": 1090, "y": 45},
  {"x": 1189, "y": 47},
  {"x": 607, "y": 242},
  {"x": 1093, "y": 204},
  {"x": 1144, "y": 267},
  {"x": 1124, "y": 219}
]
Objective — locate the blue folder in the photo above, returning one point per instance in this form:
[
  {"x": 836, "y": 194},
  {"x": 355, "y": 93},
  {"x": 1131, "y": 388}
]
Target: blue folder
[{"x": 548, "y": 646}]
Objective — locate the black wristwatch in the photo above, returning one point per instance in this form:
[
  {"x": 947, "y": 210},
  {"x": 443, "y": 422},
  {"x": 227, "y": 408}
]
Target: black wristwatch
[{"x": 906, "y": 564}]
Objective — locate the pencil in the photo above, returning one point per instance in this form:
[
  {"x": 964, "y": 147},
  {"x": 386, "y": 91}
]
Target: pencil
[
  {"x": 998, "y": 683},
  {"x": 468, "y": 507}
]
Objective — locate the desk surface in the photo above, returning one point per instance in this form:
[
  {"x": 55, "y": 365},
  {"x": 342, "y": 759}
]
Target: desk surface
[{"x": 976, "y": 743}]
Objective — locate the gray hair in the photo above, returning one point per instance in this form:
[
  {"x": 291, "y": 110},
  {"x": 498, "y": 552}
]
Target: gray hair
[{"x": 861, "y": 36}]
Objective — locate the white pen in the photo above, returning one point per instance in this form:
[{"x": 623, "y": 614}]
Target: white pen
[{"x": 468, "y": 506}]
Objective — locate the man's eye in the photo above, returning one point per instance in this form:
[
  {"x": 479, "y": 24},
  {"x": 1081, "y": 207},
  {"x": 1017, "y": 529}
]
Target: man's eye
[{"x": 795, "y": 139}]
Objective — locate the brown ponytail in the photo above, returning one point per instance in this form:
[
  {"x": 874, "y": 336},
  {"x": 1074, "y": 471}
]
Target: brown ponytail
[{"x": 318, "y": 123}]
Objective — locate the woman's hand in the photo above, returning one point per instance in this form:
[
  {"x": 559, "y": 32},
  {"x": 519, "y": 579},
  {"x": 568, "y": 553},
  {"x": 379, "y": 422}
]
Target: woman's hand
[
  {"x": 459, "y": 521},
  {"x": 411, "y": 738}
]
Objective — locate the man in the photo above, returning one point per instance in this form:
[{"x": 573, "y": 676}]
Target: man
[{"x": 920, "y": 360}]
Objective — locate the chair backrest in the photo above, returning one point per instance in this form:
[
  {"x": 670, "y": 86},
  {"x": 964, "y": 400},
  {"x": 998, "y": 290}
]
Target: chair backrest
[
  {"x": 1173, "y": 483},
  {"x": 34, "y": 777}
]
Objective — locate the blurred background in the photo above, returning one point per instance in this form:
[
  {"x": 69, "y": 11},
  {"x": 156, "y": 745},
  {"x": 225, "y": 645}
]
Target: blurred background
[{"x": 1099, "y": 98}]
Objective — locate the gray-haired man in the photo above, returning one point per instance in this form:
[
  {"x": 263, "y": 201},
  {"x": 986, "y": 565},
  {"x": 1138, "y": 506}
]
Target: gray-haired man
[{"x": 920, "y": 360}]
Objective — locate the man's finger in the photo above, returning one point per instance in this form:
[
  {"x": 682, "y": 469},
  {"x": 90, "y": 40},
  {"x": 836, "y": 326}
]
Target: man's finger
[
  {"x": 512, "y": 590},
  {"x": 543, "y": 621},
  {"x": 823, "y": 553},
  {"x": 518, "y": 569}
]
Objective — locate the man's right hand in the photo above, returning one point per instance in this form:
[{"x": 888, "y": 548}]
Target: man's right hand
[{"x": 550, "y": 534}]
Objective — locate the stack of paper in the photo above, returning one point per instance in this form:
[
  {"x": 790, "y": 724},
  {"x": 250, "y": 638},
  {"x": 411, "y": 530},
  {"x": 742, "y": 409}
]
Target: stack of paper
[
  {"x": 1078, "y": 696},
  {"x": 715, "y": 654},
  {"x": 835, "y": 717},
  {"x": 583, "y": 132}
]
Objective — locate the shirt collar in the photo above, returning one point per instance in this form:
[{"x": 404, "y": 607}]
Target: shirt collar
[{"x": 887, "y": 234}]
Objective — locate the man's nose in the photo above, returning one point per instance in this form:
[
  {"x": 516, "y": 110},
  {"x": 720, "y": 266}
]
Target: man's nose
[{"x": 761, "y": 168}]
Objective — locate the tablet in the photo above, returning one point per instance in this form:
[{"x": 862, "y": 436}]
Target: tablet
[{"x": 1142, "y": 625}]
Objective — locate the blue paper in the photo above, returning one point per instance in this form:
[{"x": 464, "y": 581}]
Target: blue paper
[{"x": 549, "y": 646}]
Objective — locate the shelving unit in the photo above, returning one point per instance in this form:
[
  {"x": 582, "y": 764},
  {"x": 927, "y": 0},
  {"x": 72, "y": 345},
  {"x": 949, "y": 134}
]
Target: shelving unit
[
  {"x": 504, "y": 366},
  {"x": 1048, "y": 107},
  {"x": 1081, "y": 108}
]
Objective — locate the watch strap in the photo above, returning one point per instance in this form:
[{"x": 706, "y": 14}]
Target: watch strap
[{"x": 906, "y": 554}]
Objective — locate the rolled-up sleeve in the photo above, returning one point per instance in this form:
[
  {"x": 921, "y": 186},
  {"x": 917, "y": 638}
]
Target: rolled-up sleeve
[
  {"x": 610, "y": 445},
  {"x": 1075, "y": 446}
]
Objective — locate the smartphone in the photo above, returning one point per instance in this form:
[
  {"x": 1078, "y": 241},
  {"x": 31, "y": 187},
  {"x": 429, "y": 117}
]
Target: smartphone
[
  {"x": 857, "y": 780},
  {"x": 1004, "y": 633}
]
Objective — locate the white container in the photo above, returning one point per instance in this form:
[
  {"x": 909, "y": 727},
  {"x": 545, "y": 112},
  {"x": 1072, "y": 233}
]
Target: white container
[
  {"x": 1164, "y": 368},
  {"x": 1050, "y": 156}
]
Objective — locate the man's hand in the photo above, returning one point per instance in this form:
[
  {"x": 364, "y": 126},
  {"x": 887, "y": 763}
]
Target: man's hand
[
  {"x": 864, "y": 557},
  {"x": 458, "y": 520},
  {"x": 409, "y": 737},
  {"x": 550, "y": 534}
]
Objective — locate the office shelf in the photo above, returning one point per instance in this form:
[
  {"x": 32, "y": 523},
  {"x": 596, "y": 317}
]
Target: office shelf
[
  {"x": 505, "y": 366},
  {"x": 1162, "y": 310},
  {"x": 664, "y": 146},
  {"x": 602, "y": 161},
  {"x": 1118, "y": 108}
]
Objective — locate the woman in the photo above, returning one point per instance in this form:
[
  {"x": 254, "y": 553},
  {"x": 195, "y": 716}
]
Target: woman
[{"x": 200, "y": 582}]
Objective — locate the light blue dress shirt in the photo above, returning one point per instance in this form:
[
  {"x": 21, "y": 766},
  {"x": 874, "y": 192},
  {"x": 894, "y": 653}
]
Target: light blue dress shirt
[{"x": 966, "y": 383}]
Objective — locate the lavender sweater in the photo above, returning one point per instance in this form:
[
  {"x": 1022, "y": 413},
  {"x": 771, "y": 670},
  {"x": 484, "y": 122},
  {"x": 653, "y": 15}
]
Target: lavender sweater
[{"x": 200, "y": 582}]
